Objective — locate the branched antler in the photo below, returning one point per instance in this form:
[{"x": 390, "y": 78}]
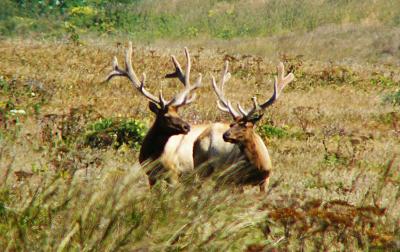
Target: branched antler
[
  {"x": 180, "y": 99},
  {"x": 225, "y": 105}
]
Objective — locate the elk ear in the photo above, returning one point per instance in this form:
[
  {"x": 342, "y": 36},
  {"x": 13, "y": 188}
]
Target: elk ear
[
  {"x": 255, "y": 118},
  {"x": 154, "y": 108}
]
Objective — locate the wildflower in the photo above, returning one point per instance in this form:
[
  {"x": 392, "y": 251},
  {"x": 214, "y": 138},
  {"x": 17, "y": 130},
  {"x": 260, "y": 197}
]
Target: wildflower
[
  {"x": 85, "y": 11},
  {"x": 18, "y": 112}
]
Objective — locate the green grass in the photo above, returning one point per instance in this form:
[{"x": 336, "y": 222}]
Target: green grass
[{"x": 146, "y": 20}]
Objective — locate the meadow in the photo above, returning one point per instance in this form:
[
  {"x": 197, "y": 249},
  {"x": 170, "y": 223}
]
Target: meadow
[{"x": 69, "y": 141}]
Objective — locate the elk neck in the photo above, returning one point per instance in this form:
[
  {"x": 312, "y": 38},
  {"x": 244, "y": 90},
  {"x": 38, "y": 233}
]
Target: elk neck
[
  {"x": 255, "y": 152},
  {"x": 153, "y": 143}
]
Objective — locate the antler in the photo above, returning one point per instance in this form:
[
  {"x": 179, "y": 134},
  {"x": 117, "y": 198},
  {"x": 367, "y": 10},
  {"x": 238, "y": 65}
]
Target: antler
[
  {"x": 279, "y": 84},
  {"x": 178, "y": 69},
  {"x": 224, "y": 104},
  {"x": 182, "y": 98},
  {"x": 179, "y": 100}
]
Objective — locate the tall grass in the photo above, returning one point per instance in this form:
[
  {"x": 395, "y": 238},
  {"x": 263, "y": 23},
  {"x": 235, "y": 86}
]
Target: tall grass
[{"x": 114, "y": 210}]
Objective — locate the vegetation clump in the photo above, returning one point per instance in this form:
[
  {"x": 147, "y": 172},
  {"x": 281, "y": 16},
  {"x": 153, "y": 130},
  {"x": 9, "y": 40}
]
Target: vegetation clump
[
  {"x": 272, "y": 131},
  {"x": 115, "y": 132},
  {"x": 393, "y": 98}
]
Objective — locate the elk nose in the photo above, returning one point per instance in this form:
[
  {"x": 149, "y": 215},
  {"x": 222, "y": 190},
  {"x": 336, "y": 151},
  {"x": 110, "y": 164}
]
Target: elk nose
[
  {"x": 226, "y": 136},
  {"x": 186, "y": 128}
]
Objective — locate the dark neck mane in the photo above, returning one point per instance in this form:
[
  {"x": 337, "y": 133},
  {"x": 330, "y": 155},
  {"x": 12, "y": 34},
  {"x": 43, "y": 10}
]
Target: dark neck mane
[{"x": 153, "y": 144}]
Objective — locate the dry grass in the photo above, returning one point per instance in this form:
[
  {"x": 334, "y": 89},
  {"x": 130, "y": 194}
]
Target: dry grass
[{"x": 336, "y": 178}]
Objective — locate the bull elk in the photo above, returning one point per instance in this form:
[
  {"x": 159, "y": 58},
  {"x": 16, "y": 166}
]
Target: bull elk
[
  {"x": 168, "y": 143},
  {"x": 241, "y": 142}
]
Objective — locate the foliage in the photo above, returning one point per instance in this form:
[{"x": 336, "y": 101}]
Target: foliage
[
  {"x": 272, "y": 131},
  {"x": 393, "y": 98},
  {"x": 115, "y": 132},
  {"x": 381, "y": 80},
  {"x": 187, "y": 19}
]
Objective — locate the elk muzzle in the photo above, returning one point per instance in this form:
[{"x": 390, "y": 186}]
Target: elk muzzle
[
  {"x": 227, "y": 137},
  {"x": 185, "y": 128}
]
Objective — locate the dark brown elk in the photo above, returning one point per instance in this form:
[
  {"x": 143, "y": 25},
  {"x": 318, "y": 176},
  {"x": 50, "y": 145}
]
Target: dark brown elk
[{"x": 169, "y": 141}]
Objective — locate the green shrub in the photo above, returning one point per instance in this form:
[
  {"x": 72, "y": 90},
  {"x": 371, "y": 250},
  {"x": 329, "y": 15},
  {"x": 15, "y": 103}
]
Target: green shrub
[
  {"x": 393, "y": 98},
  {"x": 380, "y": 80},
  {"x": 115, "y": 132},
  {"x": 272, "y": 131},
  {"x": 7, "y": 9},
  {"x": 332, "y": 159},
  {"x": 4, "y": 86}
]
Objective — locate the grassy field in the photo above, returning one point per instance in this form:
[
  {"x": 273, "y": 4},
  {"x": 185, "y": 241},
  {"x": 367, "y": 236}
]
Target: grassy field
[
  {"x": 69, "y": 178},
  {"x": 333, "y": 138}
]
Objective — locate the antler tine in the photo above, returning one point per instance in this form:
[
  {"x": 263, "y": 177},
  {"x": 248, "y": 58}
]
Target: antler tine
[
  {"x": 131, "y": 75},
  {"x": 188, "y": 66},
  {"x": 242, "y": 110},
  {"x": 178, "y": 71},
  {"x": 163, "y": 102},
  {"x": 116, "y": 70},
  {"x": 183, "y": 77},
  {"x": 182, "y": 98},
  {"x": 222, "y": 103},
  {"x": 280, "y": 83},
  {"x": 282, "y": 80},
  {"x": 225, "y": 76}
]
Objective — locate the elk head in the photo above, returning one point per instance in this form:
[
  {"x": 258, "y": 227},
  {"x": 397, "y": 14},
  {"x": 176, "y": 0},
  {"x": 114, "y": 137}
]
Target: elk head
[
  {"x": 241, "y": 131},
  {"x": 167, "y": 122}
]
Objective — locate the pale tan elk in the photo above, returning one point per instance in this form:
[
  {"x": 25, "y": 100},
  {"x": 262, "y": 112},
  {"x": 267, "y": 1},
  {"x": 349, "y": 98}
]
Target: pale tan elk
[
  {"x": 243, "y": 150},
  {"x": 169, "y": 142}
]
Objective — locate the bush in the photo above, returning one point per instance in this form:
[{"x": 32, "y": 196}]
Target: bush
[
  {"x": 380, "y": 80},
  {"x": 115, "y": 132},
  {"x": 393, "y": 98},
  {"x": 272, "y": 131},
  {"x": 7, "y": 10}
]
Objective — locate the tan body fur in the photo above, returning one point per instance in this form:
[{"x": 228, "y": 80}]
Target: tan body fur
[
  {"x": 212, "y": 153},
  {"x": 249, "y": 159},
  {"x": 178, "y": 152}
]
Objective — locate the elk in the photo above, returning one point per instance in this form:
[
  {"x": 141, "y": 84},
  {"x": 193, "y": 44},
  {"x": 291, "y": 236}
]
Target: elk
[
  {"x": 169, "y": 140},
  {"x": 242, "y": 145}
]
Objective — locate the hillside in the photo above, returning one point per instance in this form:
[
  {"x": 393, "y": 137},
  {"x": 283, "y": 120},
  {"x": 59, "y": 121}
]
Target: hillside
[{"x": 69, "y": 141}]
